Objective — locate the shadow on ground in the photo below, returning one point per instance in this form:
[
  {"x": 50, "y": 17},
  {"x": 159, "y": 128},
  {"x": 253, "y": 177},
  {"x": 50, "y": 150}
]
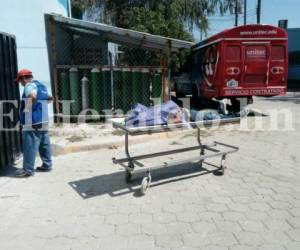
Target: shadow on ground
[
  {"x": 8, "y": 172},
  {"x": 115, "y": 185}
]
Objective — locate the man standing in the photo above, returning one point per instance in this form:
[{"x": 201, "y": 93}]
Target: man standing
[{"x": 34, "y": 121}]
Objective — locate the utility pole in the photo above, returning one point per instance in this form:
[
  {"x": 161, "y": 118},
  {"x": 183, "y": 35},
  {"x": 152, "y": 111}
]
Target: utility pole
[
  {"x": 245, "y": 12},
  {"x": 258, "y": 11},
  {"x": 236, "y": 13}
]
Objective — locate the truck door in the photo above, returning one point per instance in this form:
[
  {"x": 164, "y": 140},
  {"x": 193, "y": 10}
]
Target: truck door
[{"x": 256, "y": 64}]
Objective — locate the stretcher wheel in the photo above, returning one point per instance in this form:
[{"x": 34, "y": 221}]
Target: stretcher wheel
[
  {"x": 220, "y": 171},
  {"x": 145, "y": 185},
  {"x": 131, "y": 165},
  {"x": 128, "y": 176}
]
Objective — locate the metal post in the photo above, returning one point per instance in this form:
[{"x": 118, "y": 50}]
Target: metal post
[
  {"x": 55, "y": 73},
  {"x": 70, "y": 8},
  {"x": 258, "y": 11},
  {"x": 111, "y": 80},
  {"x": 236, "y": 13},
  {"x": 245, "y": 12},
  {"x": 126, "y": 145}
]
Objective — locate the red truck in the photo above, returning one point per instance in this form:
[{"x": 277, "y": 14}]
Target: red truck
[{"x": 245, "y": 61}]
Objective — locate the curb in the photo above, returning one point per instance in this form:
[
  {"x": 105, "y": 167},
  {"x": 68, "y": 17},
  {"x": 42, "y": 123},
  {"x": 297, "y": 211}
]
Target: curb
[{"x": 60, "y": 150}]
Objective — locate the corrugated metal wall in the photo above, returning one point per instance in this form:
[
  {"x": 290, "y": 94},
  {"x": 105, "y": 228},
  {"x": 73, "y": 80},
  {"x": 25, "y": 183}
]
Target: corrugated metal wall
[{"x": 10, "y": 145}]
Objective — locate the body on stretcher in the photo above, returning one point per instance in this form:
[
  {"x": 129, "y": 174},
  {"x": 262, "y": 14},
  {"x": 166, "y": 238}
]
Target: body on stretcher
[{"x": 215, "y": 149}]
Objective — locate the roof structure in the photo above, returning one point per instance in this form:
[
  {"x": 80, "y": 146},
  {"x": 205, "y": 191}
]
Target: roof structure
[{"x": 122, "y": 36}]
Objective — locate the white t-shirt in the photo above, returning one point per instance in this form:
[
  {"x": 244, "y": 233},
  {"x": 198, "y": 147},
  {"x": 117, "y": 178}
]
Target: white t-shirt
[{"x": 30, "y": 89}]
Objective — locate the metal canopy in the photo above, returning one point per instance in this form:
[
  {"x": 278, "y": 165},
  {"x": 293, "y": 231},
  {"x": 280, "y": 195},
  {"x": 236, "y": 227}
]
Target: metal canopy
[{"x": 122, "y": 36}]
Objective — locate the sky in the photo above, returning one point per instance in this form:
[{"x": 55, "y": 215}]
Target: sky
[{"x": 271, "y": 12}]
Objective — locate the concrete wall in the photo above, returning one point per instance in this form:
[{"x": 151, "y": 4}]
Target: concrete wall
[{"x": 25, "y": 19}]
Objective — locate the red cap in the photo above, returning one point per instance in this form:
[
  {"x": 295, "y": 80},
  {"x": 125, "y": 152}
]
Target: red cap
[{"x": 23, "y": 72}]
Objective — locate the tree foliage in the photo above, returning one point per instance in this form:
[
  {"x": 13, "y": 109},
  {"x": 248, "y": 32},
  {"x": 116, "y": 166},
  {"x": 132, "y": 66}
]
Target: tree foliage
[
  {"x": 170, "y": 18},
  {"x": 173, "y": 18}
]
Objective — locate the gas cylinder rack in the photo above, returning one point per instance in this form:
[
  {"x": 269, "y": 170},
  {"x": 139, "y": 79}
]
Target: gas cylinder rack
[{"x": 100, "y": 69}]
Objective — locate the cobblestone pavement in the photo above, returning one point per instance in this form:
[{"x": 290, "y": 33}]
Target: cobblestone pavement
[{"x": 86, "y": 204}]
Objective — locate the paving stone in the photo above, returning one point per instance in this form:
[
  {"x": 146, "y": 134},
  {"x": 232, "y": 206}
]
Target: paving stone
[
  {"x": 205, "y": 212},
  {"x": 209, "y": 216},
  {"x": 173, "y": 208},
  {"x": 213, "y": 247},
  {"x": 185, "y": 248},
  {"x": 140, "y": 218},
  {"x": 252, "y": 226},
  {"x": 242, "y": 247},
  {"x": 238, "y": 207},
  {"x": 164, "y": 217},
  {"x": 228, "y": 226},
  {"x": 280, "y": 205},
  {"x": 204, "y": 226},
  {"x": 279, "y": 214},
  {"x": 179, "y": 228},
  {"x": 295, "y": 222},
  {"x": 295, "y": 212},
  {"x": 128, "y": 229},
  {"x": 271, "y": 247},
  {"x": 113, "y": 243},
  {"x": 294, "y": 234},
  {"x": 222, "y": 239},
  {"x": 154, "y": 229},
  {"x": 233, "y": 216},
  {"x": 217, "y": 208},
  {"x": 222, "y": 200},
  {"x": 293, "y": 246},
  {"x": 260, "y": 206},
  {"x": 169, "y": 241},
  {"x": 135, "y": 242},
  {"x": 274, "y": 224},
  {"x": 249, "y": 238},
  {"x": 187, "y": 217},
  {"x": 257, "y": 215},
  {"x": 195, "y": 240},
  {"x": 276, "y": 237},
  {"x": 117, "y": 219}
]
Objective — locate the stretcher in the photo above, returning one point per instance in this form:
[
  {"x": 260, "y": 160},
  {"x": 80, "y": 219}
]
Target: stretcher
[{"x": 215, "y": 149}]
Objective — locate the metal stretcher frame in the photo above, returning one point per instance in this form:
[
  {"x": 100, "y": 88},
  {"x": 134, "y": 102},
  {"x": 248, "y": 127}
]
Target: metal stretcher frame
[{"x": 133, "y": 161}]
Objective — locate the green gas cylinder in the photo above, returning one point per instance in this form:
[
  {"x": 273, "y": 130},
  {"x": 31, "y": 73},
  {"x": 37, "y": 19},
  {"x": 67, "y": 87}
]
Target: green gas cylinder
[
  {"x": 157, "y": 88},
  {"x": 64, "y": 91},
  {"x": 136, "y": 86},
  {"x": 127, "y": 89},
  {"x": 106, "y": 83},
  {"x": 118, "y": 80},
  {"x": 145, "y": 87},
  {"x": 75, "y": 91}
]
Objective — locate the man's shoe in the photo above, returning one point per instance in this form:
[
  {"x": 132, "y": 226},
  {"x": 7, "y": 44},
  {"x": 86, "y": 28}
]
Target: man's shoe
[
  {"x": 43, "y": 169},
  {"x": 23, "y": 174}
]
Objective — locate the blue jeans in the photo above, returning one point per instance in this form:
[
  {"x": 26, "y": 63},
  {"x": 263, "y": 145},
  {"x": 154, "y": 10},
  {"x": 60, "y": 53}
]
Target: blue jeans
[{"x": 36, "y": 141}]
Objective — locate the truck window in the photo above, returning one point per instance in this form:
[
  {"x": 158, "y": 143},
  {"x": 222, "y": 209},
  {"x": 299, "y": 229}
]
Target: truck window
[
  {"x": 277, "y": 52},
  {"x": 233, "y": 53}
]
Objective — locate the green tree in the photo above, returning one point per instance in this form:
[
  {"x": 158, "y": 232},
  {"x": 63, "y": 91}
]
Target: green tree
[
  {"x": 174, "y": 18},
  {"x": 170, "y": 18}
]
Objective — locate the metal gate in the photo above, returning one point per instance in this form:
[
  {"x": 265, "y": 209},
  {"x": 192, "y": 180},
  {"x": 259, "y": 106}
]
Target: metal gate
[{"x": 10, "y": 145}]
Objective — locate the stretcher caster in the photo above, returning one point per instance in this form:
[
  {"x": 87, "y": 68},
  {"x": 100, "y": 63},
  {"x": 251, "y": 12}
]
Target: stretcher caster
[
  {"x": 131, "y": 165},
  {"x": 219, "y": 172},
  {"x": 145, "y": 184}
]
